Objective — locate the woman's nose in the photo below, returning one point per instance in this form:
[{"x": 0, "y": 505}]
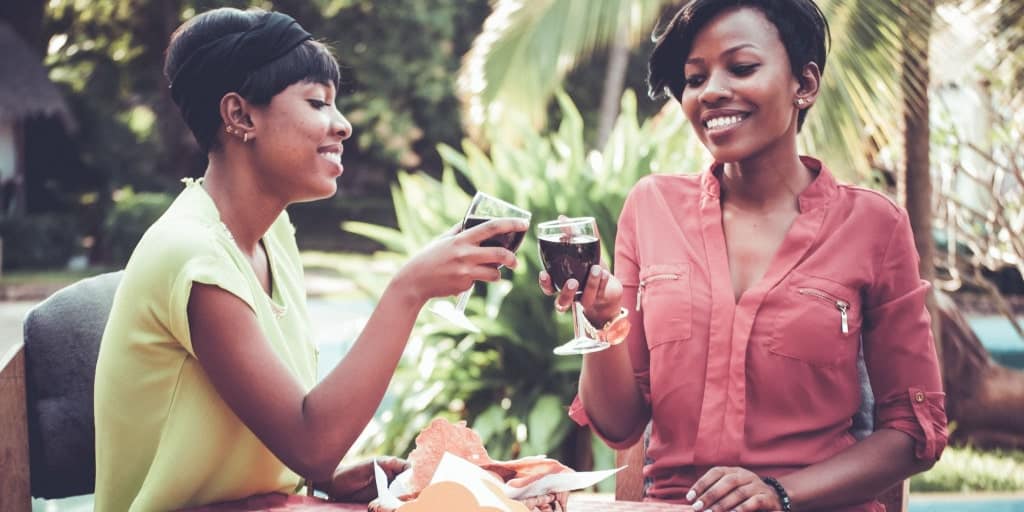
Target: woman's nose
[
  {"x": 715, "y": 91},
  {"x": 341, "y": 126}
]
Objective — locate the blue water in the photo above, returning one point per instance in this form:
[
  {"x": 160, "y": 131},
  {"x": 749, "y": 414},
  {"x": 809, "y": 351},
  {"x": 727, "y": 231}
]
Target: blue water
[
  {"x": 997, "y": 335},
  {"x": 921, "y": 503}
]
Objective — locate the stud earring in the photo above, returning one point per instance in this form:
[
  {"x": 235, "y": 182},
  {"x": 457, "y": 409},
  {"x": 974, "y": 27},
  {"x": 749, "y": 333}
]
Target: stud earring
[
  {"x": 800, "y": 102},
  {"x": 245, "y": 137}
]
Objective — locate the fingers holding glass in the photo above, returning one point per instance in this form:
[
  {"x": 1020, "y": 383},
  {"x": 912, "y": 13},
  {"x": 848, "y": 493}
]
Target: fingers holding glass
[
  {"x": 489, "y": 223},
  {"x": 569, "y": 247}
]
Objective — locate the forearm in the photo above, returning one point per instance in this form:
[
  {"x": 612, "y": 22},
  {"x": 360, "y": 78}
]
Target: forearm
[
  {"x": 610, "y": 394},
  {"x": 858, "y": 474},
  {"x": 338, "y": 409}
]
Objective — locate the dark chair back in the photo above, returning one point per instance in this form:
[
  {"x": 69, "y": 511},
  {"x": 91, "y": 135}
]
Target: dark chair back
[{"x": 62, "y": 340}]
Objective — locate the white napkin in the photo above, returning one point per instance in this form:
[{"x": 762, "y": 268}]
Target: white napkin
[{"x": 453, "y": 468}]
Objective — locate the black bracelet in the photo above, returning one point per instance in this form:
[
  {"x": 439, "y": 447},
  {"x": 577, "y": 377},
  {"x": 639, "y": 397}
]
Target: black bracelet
[{"x": 781, "y": 491}]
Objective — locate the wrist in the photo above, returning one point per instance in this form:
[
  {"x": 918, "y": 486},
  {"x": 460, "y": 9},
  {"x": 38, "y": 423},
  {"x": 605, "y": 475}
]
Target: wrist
[
  {"x": 612, "y": 331},
  {"x": 406, "y": 291},
  {"x": 785, "y": 504}
]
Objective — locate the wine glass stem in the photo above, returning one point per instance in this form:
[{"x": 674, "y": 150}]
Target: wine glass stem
[
  {"x": 460, "y": 306},
  {"x": 575, "y": 320}
]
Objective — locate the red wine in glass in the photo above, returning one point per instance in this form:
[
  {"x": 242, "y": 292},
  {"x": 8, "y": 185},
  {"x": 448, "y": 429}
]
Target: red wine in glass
[
  {"x": 482, "y": 208},
  {"x": 510, "y": 241},
  {"x": 568, "y": 256},
  {"x": 569, "y": 248}
]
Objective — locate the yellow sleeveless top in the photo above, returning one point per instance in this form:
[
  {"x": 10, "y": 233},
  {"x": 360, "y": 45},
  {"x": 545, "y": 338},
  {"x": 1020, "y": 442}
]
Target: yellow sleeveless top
[{"x": 164, "y": 438}]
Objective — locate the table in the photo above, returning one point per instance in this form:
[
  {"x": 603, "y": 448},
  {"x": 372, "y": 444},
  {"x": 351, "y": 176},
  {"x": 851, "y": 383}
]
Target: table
[{"x": 294, "y": 503}]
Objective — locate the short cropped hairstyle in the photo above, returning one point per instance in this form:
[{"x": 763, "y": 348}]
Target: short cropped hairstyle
[
  {"x": 310, "y": 61},
  {"x": 801, "y": 25}
]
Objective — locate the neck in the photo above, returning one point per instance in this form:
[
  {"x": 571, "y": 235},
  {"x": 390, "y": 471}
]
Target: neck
[
  {"x": 766, "y": 181},
  {"x": 244, "y": 205}
]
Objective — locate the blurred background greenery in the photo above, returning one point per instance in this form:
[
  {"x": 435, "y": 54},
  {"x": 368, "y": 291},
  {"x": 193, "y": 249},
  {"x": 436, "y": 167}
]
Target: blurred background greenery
[{"x": 542, "y": 103}]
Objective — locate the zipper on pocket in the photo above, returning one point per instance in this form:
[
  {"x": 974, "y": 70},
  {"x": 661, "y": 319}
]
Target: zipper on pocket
[
  {"x": 649, "y": 280},
  {"x": 841, "y": 305}
]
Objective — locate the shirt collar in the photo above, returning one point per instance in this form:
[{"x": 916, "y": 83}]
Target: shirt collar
[{"x": 816, "y": 195}]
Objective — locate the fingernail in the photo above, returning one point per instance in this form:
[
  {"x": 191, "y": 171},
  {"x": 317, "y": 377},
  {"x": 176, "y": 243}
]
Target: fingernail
[
  {"x": 571, "y": 284},
  {"x": 698, "y": 505},
  {"x": 690, "y": 496},
  {"x": 595, "y": 270}
]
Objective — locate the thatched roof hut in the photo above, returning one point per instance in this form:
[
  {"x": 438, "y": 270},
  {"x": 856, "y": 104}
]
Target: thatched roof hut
[
  {"x": 26, "y": 96},
  {"x": 25, "y": 89}
]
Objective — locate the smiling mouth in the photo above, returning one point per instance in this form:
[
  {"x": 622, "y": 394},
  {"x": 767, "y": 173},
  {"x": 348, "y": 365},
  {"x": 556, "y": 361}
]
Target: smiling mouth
[
  {"x": 720, "y": 123},
  {"x": 332, "y": 156}
]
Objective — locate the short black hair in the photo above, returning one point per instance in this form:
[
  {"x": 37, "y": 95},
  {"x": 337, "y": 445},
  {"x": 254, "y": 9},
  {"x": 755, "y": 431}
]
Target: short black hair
[
  {"x": 310, "y": 61},
  {"x": 801, "y": 25}
]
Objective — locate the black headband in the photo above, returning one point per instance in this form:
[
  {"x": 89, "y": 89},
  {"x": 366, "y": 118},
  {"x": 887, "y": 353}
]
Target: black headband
[{"x": 221, "y": 66}]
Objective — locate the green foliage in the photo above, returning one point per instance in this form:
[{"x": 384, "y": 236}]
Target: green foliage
[
  {"x": 505, "y": 381},
  {"x": 39, "y": 241},
  {"x": 131, "y": 215},
  {"x": 965, "y": 469}
]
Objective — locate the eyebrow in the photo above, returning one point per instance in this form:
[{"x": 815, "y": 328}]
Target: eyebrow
[{"x": 734, "y": 49}]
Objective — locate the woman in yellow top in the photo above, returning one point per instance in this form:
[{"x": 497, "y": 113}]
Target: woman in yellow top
[{"x": 206, "y": 384}]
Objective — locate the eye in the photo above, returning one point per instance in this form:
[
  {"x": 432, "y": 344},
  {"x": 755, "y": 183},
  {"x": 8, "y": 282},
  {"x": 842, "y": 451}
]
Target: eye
[
  {"x": 317, "y": 104},
  {"x": 694, "y": 80},
  {"x": 745, "y": 69}
]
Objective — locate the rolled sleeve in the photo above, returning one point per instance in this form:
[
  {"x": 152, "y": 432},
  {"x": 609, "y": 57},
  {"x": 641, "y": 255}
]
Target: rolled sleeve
[
  {"x": 899, "y": 349},
  {"x": 919, "y": 414},
  {"x": 579, "y": 415}
]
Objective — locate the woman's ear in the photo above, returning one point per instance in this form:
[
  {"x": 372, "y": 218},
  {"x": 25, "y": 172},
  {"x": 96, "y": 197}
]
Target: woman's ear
[
  {"x": 809, "y": 86},
  {"x": 234, "y": 113}
]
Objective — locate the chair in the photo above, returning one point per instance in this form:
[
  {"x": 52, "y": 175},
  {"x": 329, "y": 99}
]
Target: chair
[
  {"x": 47, "y": 437},
  {"x": 631, "y": 486}
]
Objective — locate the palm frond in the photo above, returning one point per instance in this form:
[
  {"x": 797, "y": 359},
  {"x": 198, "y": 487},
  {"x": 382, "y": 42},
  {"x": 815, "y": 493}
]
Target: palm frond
[
  {"x": 861, "y": 103},
  {"x": 526, "y": 48}
]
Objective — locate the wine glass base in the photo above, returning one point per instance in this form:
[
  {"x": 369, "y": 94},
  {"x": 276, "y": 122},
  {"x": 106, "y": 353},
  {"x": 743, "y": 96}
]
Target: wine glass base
[
  {"x": 580, "y": 346},
  {"x": 446, "y": 310}
]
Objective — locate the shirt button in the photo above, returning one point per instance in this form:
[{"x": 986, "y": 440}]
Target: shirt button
[{"x": 919, "y": 397}]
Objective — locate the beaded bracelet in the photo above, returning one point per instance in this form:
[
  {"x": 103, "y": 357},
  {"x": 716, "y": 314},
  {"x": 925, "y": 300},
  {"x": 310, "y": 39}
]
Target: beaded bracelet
[{"x": 781, "y": 491}]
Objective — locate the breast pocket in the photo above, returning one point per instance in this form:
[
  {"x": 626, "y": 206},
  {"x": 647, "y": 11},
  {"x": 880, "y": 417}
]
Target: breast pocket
[
  {"x": 818, "y": 321},
  {"x": 663, "y": 296}
]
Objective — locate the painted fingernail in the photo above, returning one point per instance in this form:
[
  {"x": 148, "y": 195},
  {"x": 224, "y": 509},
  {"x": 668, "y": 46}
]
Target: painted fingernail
[
  {"x": 595, "y": 270},
  {"x": 690, "y": 496},
  {"x": 571, "y": 284},
  {"x": 698, "y": 505}
]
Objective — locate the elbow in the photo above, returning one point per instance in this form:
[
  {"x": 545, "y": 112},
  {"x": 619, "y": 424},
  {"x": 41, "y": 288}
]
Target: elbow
[
  {"x": 316, "y": 467},
  {"x": 921, "y": 465}
]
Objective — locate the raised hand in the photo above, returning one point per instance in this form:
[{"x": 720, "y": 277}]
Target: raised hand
[
  {"x": 450, "y": 264},
  {"x": 602, "y": 296}
]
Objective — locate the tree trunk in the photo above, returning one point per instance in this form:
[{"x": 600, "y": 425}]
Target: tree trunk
[
  {"x": 917, "y": 167},
  {"x": 984, "y": 398},
  {"x": 614, "y": 84}
]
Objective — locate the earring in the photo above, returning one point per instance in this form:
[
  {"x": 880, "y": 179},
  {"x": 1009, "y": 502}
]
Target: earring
[
  {"x": 245, "y": 137},
  {"x": 229, "y": 130},
  {"x": 800, "y": 102}
]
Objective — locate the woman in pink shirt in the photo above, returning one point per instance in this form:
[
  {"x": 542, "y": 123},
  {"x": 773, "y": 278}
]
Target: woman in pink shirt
[{"x": 751, "y": 287}]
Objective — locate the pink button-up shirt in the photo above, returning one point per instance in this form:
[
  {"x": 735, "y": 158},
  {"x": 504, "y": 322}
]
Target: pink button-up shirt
[{"x": 770, "y": 383}]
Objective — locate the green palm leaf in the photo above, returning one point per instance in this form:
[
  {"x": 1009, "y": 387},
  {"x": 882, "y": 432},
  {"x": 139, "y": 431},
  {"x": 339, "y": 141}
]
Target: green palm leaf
[{"x": 525, "y": 49}]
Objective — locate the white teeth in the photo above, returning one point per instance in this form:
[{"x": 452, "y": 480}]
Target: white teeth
[
  {"x": 332, "y": 156},
  {"x": 721, "y": 122}
]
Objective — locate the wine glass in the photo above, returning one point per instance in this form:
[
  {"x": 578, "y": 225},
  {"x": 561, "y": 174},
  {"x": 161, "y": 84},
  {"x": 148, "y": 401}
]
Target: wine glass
[
  {"x": 483, "y": 208},
  {"x": 568, "y": 249}
]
